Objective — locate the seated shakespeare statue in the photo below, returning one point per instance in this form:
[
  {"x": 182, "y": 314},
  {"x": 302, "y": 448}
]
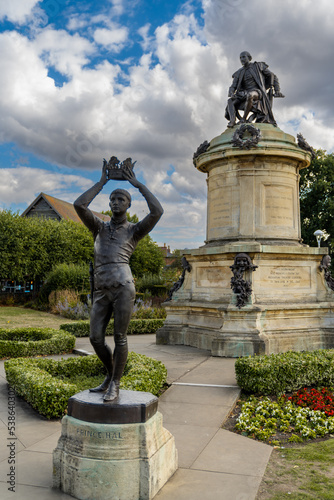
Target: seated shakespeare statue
[
  {"x": 114, "y": 291},
  {"x": 252, "y": 91}
]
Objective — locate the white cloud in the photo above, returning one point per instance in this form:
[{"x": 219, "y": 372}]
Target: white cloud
[
  {"x": 117, "y": 7},
  {"x": 113, "y": 39},
  {"x": 17, "y": 11},
  {"x": 23, "y": 184},
  {"x": 144, "y": 33},
  {"x": 66, "y": 53}
]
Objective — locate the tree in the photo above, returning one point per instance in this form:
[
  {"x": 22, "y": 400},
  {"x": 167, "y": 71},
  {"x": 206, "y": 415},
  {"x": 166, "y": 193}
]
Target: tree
[
  {"x": 317, "y": 198},
  {"x": 147, "y": 258},
  {"x": 30, "y": 246}
]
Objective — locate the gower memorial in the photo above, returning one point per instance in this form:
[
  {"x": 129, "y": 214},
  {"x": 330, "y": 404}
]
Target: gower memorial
[{"x": 254, "y": 287}]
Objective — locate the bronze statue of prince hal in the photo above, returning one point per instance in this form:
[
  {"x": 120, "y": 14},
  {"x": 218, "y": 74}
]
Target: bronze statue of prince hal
[{"x": 114, "y": 243}]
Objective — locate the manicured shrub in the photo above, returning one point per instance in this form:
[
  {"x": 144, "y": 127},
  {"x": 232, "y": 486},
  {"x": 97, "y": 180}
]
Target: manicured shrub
[
  {"x": 137, "y": 326},
  {"x": 79, "y": 328},
  {"x": 65, "y": 277},
  {"x": 285, "y": 372},
  {"x": 47, "y": 384},
  {"x": 144, "y": 326},
  {"x": 19, "y": 342},
  {"x": 154, "y": 283}
]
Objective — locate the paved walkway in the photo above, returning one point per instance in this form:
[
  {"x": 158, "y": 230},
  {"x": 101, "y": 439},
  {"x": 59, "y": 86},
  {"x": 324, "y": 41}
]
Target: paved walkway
[{"x": 214, "y": 464}]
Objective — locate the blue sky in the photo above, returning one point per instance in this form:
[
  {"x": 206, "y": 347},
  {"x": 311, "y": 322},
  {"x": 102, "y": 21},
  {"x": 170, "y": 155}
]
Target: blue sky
[{"x": 84, "y": 80}]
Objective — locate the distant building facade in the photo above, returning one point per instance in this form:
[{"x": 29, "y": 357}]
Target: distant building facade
[{"x": 167, "y": 255}]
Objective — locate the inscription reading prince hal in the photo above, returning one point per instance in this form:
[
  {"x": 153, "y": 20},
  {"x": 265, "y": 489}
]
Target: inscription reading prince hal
[{"x": 114, "y": 291}]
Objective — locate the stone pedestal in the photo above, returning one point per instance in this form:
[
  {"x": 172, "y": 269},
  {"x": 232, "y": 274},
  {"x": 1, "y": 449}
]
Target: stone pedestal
[
  {"x": 95, "y": 460},
  {"x": 253, "y": 208}
]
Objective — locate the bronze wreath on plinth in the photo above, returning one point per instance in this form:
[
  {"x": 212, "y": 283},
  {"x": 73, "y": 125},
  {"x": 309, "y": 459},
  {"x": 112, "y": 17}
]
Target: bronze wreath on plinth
[{"x": 238, "y": 140}]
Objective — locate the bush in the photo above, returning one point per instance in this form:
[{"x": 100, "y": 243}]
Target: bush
[
  {"x": 48, "y": 384},
  {"x": 153, "y": 283},
  {"x": 19, "y": 342},
  {"x": 136, "y": 326},
  {"x": 65, "y": 277},
  {"x": 285, "y": 372},
  {"x": 143, "y": 310}
]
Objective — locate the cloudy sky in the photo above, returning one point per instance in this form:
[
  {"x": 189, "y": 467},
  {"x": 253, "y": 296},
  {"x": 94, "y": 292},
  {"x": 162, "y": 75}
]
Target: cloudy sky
[{"x": 83, "y": 80}]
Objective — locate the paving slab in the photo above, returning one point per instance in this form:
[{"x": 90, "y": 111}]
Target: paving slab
[
  {"x": 190, "y": 440},
  {"x": 26, "y": 492},
  {"x": 26, "y": 430},
  {"x": 189, "y": 484},
  {"x": 32, "y": 468},
  {"x": 213, "y": 396},
  {"x": 230, "y": 453},
  {"x": 47, "y": 444},
  {"x": 212, "y": 371},
  {"x": 194, "y": 414},
  {"x": 5, "y": 440}
]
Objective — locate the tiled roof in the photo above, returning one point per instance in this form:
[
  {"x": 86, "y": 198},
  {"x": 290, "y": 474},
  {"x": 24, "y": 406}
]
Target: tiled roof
[{"x": 64, "y": 209}]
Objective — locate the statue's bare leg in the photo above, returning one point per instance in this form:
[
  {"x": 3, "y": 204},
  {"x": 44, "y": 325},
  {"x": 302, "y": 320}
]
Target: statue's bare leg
[{"x": 100, "y": 316}]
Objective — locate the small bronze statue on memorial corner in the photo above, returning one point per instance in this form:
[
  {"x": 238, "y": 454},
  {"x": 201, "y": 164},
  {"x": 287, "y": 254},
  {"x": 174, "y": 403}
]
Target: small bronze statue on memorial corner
[
  {"x": 241, "y": 287},
  {"x": 114, "y": 243},
  {"x": 252, "y": 91}
]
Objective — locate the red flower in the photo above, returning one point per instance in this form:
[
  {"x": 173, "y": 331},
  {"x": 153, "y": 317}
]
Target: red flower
[{"x": 315, "y": 399}]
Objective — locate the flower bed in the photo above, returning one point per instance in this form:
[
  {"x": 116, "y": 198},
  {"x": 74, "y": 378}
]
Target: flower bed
[
  {"x": 19, "y": 342},
  {"x": 281, "y": 421},
  {"x": 48, "y": 384},
  {"x": 136, "y": 326},
  {"x": 306, "y": 413}
]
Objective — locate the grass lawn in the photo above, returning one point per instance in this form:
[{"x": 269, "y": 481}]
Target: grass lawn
[
  {"x": 302, "y": 472},
  {"x": 16, "y": 317}
]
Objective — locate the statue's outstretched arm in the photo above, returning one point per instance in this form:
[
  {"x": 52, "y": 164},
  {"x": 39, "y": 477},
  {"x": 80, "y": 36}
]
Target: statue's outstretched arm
[
  {"x": 81, "y": 203},
  {"x": 156, "y": 210}
]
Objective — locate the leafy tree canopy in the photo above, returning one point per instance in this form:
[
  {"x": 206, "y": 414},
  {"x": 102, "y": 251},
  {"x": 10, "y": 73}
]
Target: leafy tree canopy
[{"x": 317, "y": 198}]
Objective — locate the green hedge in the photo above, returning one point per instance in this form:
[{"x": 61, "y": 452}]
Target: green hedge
[
  {"x": 48, "y": 384},
  {"x": 285, "y": 372},
  {"x": 136, "y": 326},
  {"x": 19, "y": 342}
]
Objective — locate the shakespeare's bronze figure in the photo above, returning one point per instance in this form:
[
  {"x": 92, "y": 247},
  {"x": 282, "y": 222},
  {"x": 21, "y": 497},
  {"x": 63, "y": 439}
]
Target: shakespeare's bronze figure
[
  {"x": 114, "y": 291},
  {"x": 252, "y": 91}
]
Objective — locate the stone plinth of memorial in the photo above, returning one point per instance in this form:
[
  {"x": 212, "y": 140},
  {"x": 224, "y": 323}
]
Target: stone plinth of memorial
[
  {"x": 278, "y": 299},
  {"x": 113, "y": 451}
]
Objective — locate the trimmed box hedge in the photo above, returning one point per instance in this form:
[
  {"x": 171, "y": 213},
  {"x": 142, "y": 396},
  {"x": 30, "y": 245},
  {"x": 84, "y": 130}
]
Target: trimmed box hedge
[
  {"x": 277, "y": 374},
  {"x": 136, "y": 326},
  {"x": 20, "y": 342},
  {"x": 47, "y": 384}
]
